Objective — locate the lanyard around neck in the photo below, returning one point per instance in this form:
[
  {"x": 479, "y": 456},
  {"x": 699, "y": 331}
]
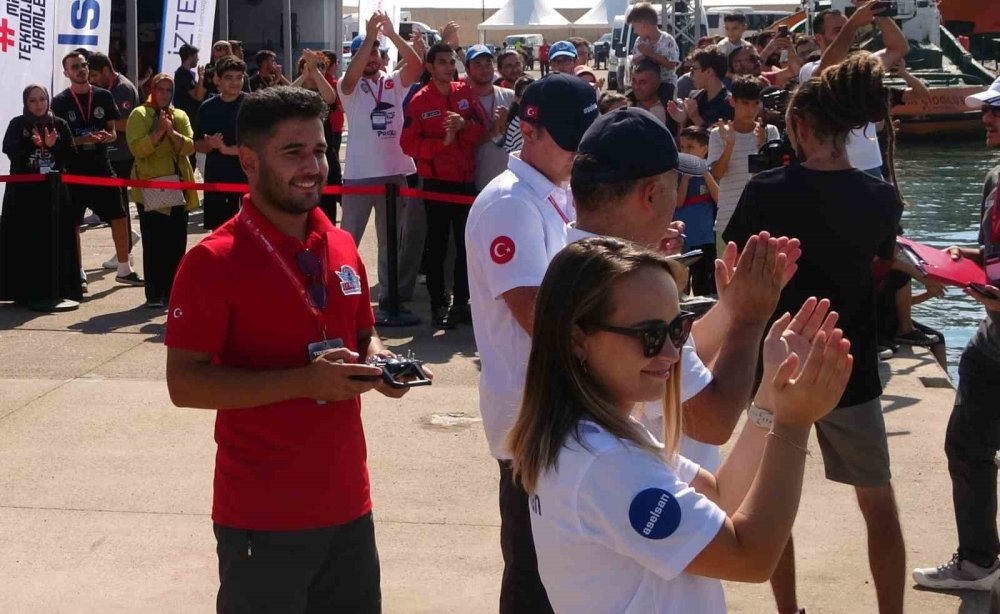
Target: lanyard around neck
[
  {"x": 296, "y": 282},
  {"x": 90, "y": 103}
]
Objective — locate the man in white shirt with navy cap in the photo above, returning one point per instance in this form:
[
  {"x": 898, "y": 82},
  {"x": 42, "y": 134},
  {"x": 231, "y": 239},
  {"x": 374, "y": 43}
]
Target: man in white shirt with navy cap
[
  {"x": 516, "y": 226},
  {"x": 624, "y": 182}
]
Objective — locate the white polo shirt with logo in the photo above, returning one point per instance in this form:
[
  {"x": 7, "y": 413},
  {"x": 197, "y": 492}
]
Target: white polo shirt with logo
[
  {"x": 695, "y": 377},
  {"x": 374, "y": 113},
  {"x": 515, "y": 227},
  {"x": 615, "y": 527}
]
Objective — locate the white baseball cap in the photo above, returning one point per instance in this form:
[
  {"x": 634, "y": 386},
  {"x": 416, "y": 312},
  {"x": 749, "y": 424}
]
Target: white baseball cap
[{"x": 990, "y": 97}]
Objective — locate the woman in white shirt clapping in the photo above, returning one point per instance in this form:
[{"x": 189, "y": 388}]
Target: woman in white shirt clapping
[{"x": 621, "y": 523}]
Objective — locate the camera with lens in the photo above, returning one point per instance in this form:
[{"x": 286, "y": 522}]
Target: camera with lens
[{"x": 774, "y": 154}]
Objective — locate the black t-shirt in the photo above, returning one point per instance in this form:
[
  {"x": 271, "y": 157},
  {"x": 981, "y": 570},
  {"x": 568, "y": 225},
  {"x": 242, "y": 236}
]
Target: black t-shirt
[
  {"x": 218, "y": 116},
  {"x": 184, "y": 82},
  {"x": 102, "y": 109},
  {"x": 845, "y": 220},
  {"x": 712, "y": 110}
]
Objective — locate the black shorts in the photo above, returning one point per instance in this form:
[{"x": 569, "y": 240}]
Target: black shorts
[{"x": 106, "y": 203}]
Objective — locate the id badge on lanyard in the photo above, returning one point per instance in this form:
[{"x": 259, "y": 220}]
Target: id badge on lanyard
[
  {"x": 45, "y": 163},
  {"x": 380, "y": 120}
]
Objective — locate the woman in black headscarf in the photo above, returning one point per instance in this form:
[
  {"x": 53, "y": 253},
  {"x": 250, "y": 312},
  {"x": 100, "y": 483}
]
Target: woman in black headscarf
[{"x": 37, "y": 142}]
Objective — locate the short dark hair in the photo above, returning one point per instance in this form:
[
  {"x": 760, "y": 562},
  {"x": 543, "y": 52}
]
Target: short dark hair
[
  {"x": 593, "y": 194},
  {"x": 522, "y": 84},
  {"x": 647, "y": 65},
  {"x": 98, "y": 61},
  {"x": 82, "y": 51},
  {"x": 746, "y": 87},
  {"x": 802, "y": 39},
  {"x": 187, "y": 51},
  {"x": 331, "y": 55},
  {"x": 436, "y": 49},
  {"x": 735, "y": 18},
  {"x": 644, "y": 12},
  {"x": 509, "y": 51},
  {"x": 695, "y": 133},
  {"x": 262, "y": 111},
  {"x": 608, "y": 100},
  {"x": 576, "y": 41},
  {"x": 819, "y": 20},
  {"x": 263, "y": 56},
  {"x": 235, "y": 44},
  {"x": 229, "y": 63},
  {"x": 710, "y": 58},
  {"x": 73, "y": 54}
]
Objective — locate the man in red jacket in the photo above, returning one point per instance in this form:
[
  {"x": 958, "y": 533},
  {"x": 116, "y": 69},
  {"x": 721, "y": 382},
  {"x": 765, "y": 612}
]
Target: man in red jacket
[{"x": 444, "y": 124}]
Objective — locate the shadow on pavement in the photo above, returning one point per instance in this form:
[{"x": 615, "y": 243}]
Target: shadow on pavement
[
  {"x": 971, "y": 602},
  {"x": 112, "y": 322}
]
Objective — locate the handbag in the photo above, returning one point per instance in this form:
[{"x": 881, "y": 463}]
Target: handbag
[{"x": 156, "y": 198}]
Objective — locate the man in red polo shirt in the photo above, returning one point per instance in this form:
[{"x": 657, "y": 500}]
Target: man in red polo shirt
[
  {"x": 252, "y": 306},
  {"x": 444, "y": 125}
]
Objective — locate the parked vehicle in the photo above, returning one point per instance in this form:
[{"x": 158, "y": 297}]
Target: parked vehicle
[
  {"x": 529, "y": 42},
  {"x": 757, "y": 21}
]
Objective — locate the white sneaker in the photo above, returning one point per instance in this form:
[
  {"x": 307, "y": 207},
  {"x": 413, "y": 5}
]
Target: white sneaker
[
  {"x": 112, "y": 263},
  {"x": 957, "y": 574}
]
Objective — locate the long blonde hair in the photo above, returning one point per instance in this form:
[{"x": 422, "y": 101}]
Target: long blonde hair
[{"x": 559, "y": 391}]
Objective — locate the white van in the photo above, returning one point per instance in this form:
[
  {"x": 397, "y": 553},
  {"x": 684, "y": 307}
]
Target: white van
[{"x": 757, "y": 21}]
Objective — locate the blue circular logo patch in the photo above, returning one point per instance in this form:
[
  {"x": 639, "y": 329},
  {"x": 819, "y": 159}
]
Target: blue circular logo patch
[{"x": 654, "y": 513}]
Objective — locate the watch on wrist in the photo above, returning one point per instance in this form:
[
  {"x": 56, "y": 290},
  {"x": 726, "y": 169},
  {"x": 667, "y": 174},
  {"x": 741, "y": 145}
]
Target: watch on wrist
[{"x": 761, "y": 417}]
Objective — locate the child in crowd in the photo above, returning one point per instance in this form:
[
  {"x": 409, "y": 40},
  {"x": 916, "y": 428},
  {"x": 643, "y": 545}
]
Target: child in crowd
[
  {"x": 696, "y": 198},
  {"x": 656, "y": 45},
  {"x": 730, "y": 144},
  {"x": 609, "y": 101}
]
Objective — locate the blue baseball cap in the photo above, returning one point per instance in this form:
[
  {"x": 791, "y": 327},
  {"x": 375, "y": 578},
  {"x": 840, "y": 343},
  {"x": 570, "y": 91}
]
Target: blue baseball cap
[
  {"x": 561, "y": 48},
  {"x": 563, "y": 104},
  {"x": 357, "y": 42},
  {"x": 475, "y": 51},
  {"x": 630, "y": 143}
]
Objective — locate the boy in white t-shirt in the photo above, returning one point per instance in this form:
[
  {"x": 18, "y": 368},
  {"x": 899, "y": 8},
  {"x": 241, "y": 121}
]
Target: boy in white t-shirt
[
  {"x": 656, "y": 45},
  {"x": 373, "y": 104},
  {"x": 731, "y": 143}
]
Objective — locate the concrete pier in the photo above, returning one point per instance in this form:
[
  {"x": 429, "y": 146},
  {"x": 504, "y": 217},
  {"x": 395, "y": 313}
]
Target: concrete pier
[{"x": 105, "y": 487}]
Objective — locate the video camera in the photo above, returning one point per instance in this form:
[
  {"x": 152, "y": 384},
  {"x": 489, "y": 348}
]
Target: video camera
[{"x": 774, "y": 154}]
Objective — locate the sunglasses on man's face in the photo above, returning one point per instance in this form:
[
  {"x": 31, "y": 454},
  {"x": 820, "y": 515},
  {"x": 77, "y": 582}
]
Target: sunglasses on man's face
[{"x": 653, "y": 334}]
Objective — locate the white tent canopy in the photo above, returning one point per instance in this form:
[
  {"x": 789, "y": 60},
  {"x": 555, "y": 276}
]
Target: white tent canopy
[
  {"x": 536, "y": 14},
  {"x": 603, "y": 14}
]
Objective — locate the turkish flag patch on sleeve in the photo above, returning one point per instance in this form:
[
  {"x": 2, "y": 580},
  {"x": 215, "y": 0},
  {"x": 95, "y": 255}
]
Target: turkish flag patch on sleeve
[{"x": 502, "y": 250}]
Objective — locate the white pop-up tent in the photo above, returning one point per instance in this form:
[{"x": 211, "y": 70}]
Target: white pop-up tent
[
  {"x": 602, "y": 15},
  {"x": 536, "y": 14}
]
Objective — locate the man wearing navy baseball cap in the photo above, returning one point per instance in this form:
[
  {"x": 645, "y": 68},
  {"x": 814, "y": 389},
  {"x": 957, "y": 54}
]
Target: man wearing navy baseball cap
[
  {"x": 624, "y": 182},
  {"x": 562, "y": 57},
  {"x": 516, "y": 226},
  {"x": 971, "y": 440}
]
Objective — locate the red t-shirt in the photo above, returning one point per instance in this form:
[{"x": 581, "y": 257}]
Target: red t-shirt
[
  {"x": 336, "y": 117},
  {"x": 295, "y": 464}
]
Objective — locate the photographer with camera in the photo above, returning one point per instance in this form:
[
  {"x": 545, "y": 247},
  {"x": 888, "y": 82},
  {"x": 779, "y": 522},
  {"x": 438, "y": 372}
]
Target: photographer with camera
[{"x": 845, "y": 220}]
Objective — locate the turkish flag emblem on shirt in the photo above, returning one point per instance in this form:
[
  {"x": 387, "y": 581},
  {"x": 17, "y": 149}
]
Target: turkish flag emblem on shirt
[{"x": 502, "y": 250}]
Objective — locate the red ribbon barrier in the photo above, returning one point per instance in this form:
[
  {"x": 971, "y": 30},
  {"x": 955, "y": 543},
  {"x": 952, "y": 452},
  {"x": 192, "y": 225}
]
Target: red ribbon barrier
[
  {"x": 36, "y": 178},
  {"x": 238, "y": 188},
  {"x": 444, "y": 197}
]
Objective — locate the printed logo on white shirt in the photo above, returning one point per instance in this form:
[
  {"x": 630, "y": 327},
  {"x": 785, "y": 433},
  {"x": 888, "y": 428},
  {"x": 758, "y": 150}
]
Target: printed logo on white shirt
[
  {"x": 654, "y": 513},
  {"x": 502, "y": 250}
]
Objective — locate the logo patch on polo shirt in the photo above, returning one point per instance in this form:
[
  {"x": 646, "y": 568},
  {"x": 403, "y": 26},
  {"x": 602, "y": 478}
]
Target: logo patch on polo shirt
[
  {"x": 654, "y": 514},
  {"x": 389, "y": 84},
  {"x": 430, "y": 114},
  {"x": 502, "y": 250},
  {"x": 99, "y": 112},
  {"x": 365, "y": 88},
  {"x": 463, "y": 105},
  {"x": 350, "y": 283}
]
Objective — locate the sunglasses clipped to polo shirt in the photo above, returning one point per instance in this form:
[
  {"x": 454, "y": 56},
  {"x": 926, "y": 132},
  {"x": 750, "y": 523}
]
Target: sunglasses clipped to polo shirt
[{"x": 653, "y": 334}]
